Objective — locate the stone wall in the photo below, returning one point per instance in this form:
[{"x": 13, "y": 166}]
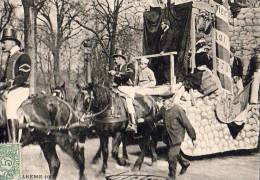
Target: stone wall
[{"x": 245, "y": 33}]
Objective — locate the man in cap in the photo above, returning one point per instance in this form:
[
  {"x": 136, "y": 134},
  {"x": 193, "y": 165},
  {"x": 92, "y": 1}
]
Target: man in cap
[
  {"x": 236, "y": 70},
  {"x": 146, "y": 76},
  {"x": 14, "y": 82},
  {"x": 123, "y": 80},
  {"x": 176, "y": 123}
]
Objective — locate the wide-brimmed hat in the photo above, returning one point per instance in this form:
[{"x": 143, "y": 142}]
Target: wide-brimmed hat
[
  {"x": 10, "y": 34},
  {"x": 119, "y": 54}
]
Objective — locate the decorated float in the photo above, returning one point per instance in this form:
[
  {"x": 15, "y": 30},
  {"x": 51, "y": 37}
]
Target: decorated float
[{"x": 223, "y": 117}]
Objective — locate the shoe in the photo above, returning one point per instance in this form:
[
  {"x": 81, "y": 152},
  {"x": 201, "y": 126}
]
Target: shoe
[{"x": 184, "y": 169}]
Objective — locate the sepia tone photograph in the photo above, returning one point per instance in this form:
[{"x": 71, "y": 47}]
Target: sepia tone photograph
[{"x": 129, "y": 90}]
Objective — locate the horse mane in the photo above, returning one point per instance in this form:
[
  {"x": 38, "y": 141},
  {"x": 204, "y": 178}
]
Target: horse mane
[{"x": 102, "y": 96}]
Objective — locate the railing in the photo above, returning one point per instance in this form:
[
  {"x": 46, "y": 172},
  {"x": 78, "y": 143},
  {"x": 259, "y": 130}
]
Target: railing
[{"x": 172, "y": 73}]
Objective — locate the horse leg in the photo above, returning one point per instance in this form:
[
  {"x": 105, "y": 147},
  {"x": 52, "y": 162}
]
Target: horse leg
[
  {"x": 143, "y": 143},
  {"x": 153, "y": 144},
  {"x": 50, "y": 155},
  {"x": 76, "y": 151},
  {"x": 104, "y": 147},
  {"x": 117, "y": 139},
  {"x": 125, "y": 155},
  {"x": 97, "y": 156}
]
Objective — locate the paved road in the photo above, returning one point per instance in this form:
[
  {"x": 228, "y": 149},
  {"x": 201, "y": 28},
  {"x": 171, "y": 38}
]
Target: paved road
[{"x": 232, "y": 166}]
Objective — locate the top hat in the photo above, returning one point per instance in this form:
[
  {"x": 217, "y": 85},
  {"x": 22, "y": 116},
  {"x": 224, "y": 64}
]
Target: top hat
[
  {"x": 119, "y": 54},
  {"x": 10, "y": 34}
]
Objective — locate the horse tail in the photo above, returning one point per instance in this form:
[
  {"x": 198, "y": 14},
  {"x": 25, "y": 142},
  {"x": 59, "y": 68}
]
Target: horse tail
[{"x": 52, "y": 109}]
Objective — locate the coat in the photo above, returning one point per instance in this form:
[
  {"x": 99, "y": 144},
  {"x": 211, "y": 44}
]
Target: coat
[
  {"x": 237, "y": 67},
  {"x": 254, "y": 64},
  {"x": 125, "y": 75},
  {"x": 17, "y": 70},
  {"x": 176, "y": 123},
  {"x": 166, "y": 41},
  {"x": 203, "y": 59}
]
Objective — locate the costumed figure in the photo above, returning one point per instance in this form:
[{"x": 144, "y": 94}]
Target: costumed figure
[
  {"x": 14, "y": 82},
  {"x": 123, "y": 79}
]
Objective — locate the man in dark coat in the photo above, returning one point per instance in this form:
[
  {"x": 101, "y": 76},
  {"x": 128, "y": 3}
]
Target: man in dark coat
[
  {"x": 14, "y": 83},
  {"x": 124, "y": 80},
  {"x": 166, "y": 44},
  {"x": 176, "y": 123},
  {"x": 236, "y": 66},
  {"x": 254, "y": 65}
]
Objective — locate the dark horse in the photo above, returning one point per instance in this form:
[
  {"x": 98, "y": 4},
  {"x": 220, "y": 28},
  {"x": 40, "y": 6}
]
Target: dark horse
[
  {"x": 112, "y": 119},
  {"x": 50, "y": 121}
]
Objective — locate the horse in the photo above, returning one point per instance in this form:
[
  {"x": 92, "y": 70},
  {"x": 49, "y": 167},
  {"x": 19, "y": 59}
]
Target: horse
[
  {"x": 111, "y": 119},
  {"x": 49, "y": 121}
]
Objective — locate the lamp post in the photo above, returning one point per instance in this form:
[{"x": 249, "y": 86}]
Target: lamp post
[{"x": 87, "y": 44}]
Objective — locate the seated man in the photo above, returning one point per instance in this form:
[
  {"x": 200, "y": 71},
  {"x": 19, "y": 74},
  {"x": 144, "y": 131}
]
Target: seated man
[
  {"x": 123, "y": 75},
  {"x": 146, "y": 76}
]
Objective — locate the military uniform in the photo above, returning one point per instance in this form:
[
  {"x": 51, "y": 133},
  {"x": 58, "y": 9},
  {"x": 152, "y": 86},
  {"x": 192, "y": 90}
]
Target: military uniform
[{"x": 14, "y": 83}]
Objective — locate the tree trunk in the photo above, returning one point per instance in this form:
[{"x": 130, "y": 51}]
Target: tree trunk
[
  {"x": 30, "y": 37},
  {"x": 56, "y": 66}
]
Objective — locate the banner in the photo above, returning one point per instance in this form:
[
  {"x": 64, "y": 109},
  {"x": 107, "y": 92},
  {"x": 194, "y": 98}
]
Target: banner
[{"x": 223, "y": 46}]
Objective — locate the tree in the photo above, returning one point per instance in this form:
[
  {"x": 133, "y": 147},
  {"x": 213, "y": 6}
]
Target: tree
[
  {"x": 58, "y": 30},
  {"x": 6, "y": 13}
]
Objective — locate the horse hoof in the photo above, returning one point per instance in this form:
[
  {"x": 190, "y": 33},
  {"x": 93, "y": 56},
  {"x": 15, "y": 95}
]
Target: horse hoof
[
  {"x": 127, "y": 163},
  {"x": 83, "y": 178},
  {"x": 134, "y": 169},
  {"x": 94, "y": 161}
]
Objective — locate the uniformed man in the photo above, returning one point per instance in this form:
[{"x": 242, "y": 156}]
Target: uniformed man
[
  {"x": 14, "y": 82},
  {"x": 123, "y": 80},
  {"x": 146, "y": 76}
]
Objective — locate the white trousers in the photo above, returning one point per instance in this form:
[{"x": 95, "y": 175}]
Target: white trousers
[
  {"x": 14, "y": 99},
  {"x": 128, "y": 92}
]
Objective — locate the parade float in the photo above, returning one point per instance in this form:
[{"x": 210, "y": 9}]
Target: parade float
[{"x": 224, "y": 119}]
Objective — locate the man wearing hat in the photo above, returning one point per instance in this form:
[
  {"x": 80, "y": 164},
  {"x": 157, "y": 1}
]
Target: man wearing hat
[
  {"x": 236, "y": 70},
  {"x": 123, "y": 80},
  {"x": 176, "y": 123},
  {"x": 14, "y": 82},
  {"x": 145, "y": 76}
]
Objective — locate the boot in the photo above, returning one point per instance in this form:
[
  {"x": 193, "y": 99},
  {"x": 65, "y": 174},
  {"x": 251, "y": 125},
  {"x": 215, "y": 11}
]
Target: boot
[
  {"x": 13, "y": 130},
  {"x": 183, "y": 162},
  {"x": 132, "y": 123},
  {"x": 172, "y": 168}
]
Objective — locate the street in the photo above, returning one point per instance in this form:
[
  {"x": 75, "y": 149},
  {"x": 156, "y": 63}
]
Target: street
[{"x": 230, "y": 166}]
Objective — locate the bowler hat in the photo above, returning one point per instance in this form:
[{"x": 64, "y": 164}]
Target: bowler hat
[
  {"x": 10, "y": 34},
  {"x": 119, "y": 54}
]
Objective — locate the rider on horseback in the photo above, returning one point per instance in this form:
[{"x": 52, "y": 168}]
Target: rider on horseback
[
  {"x": 14, "y": 80},
  {"x": 123, "y": 80}
]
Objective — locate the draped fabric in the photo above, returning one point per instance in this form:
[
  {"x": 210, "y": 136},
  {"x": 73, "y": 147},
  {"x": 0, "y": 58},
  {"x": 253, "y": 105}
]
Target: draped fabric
[{"x": 179, "y": 17}]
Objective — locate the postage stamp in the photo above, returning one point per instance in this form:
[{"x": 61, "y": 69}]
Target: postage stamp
[{"x": 10, "y": 161}]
